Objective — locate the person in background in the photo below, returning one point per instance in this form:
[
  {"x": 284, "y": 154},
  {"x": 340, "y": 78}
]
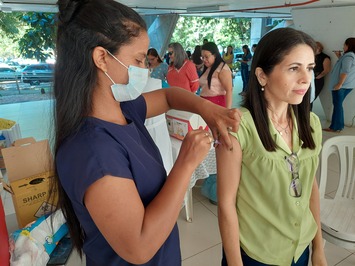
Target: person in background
[
  {"x": 188, "y": 53},
  {"x": 196, "y": 59},
  {"x": 321, "y": 69},
  {"x": 228, "y": 57},
  {"x": 216, "y": 84},
  {"x": 342, "y": 81},
  {"x": 158, "y": 68},
  {"x": 166, "y": 58},
  {"x": 216, "y": 78},
  {"x": 121, "y": 207},
  {"x": 181, "y": 72},
  {"x": 253, "y": 47},
  {"x": 268, "y": 198},
  {"x": 244, "y": 67}
]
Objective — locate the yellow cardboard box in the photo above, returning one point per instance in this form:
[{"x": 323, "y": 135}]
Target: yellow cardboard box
[
  {"x": 10, "y": 130},
  {"x": 29, "y": 167}
]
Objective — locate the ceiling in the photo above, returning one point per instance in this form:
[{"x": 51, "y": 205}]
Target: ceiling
[{"x": 215, "y": 8}]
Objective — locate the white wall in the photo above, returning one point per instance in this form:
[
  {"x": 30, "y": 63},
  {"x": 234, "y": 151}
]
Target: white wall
[
  {"x": 255, "y": 33},
  {"x": 330, "y": 26}
]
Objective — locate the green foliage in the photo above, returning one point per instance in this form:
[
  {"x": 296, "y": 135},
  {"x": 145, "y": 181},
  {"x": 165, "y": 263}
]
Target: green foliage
[
  {"x": 190, "y": 31},
  {"x": 32, "y": 35},
  {"x": 9, "y": 24},
  {"x": 236, "y": 66},
  {"x": 28, "y": 34},
  {"x": 39, "y": 39},
  {"x": 9, "y": 30}
]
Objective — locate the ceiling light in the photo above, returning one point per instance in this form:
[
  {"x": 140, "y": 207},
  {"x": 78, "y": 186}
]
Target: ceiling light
[{"x": 207, "y": 8}]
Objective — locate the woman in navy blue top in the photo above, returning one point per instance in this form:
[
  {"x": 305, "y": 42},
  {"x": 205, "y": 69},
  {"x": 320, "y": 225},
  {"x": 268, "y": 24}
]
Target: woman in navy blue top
[
  {"x": 120, "y": 206},
  {"x": 245, "y": 66}
]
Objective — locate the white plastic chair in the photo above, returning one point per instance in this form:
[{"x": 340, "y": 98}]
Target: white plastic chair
[{"x": 338, "y": 213}]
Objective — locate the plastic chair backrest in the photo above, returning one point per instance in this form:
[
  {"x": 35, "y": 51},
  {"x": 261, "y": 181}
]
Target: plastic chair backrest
[
  {"x": 344, "y": 148},
  {"x": 4, "y": 239}
]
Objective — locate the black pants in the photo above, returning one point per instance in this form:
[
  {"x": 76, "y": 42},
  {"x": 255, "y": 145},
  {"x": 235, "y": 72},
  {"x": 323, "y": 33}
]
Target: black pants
[{"x": 318, "y": 83}]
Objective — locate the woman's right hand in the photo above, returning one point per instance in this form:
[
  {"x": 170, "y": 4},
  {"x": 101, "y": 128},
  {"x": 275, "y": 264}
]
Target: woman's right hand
[
  {"x": 194, "y": 148},
  {"x": 337, "y": 53}
]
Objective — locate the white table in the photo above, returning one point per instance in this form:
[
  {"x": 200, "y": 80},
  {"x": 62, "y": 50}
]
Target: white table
[{"x": 203, "y": 170}]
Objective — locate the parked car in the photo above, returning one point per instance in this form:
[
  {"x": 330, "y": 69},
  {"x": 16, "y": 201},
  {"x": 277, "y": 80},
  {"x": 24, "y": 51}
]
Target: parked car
[
  {"x": 238, "y": 56},
  {"x": 7, "y": 73},
  {"x": 37, "y": 73},
  {"x": 238, "y": 53}
]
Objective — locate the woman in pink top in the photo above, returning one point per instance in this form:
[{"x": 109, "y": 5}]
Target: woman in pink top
[
  {"x": 216, "y": 84},
  {"x": 182, "y": 72},
  {"x": 216, "y": 78}
]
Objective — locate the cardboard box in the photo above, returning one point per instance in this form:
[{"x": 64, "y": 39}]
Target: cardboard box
[
  {"x": 29, "y": 167},
  {"x": 181, "y": 122},
  {"x": 2, "y": 163}
]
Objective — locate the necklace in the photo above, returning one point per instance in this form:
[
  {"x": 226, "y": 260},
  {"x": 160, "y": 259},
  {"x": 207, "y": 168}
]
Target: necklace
[{"x": 283, "y": 129}]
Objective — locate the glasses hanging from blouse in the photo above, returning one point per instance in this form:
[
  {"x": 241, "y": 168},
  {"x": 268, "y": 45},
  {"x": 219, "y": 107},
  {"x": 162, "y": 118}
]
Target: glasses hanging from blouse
[{"x": 295, "y": 188}]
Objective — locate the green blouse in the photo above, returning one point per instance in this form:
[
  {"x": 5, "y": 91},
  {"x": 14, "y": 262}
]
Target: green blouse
[{"x": 274, "y": 226}]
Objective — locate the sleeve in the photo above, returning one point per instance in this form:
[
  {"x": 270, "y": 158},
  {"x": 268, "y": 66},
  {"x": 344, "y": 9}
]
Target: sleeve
[
  {"x": 347, "y": 63},
  {"x": 243, "y": 133},
  {"x": 226, "y": 67},
  {"x": 84, "y": 160},
  {"x": 192, "y": 76}
]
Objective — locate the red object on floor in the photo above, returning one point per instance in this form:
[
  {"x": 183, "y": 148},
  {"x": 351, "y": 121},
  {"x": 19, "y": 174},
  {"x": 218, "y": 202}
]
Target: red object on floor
[{"x": 4, "y": 239}]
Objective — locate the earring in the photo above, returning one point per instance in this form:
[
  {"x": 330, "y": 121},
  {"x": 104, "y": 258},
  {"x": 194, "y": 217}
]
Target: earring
[{"x": 262, "y": 89}]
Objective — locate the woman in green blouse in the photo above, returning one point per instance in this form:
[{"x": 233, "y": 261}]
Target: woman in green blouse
[{"x": 268, "y": 201}]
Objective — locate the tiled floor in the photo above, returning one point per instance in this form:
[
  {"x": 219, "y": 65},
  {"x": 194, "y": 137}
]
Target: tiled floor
[{"x": 200, "y": 240}]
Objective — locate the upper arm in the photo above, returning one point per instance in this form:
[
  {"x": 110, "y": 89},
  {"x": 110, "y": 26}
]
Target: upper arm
[
  {"x": 225, "y": 78},
  {"x": 326, "y": 65},
  {"x": 156, "y": 102},
  {"x": 228, "y": 174},
  {"x": 117, "y": 211}
]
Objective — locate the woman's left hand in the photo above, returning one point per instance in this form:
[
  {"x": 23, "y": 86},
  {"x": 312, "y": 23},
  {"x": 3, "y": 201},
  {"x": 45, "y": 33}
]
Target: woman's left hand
[
  {"x": 337, "y": 87},
  {"x": 318, "y": 258},
  {"x": 220, "y": 121}
]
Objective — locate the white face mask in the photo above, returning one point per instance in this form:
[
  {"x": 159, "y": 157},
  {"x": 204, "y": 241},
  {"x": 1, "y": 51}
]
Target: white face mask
[{"x": 137, "y": 79}]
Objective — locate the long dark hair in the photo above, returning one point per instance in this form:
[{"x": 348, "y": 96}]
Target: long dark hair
[
  {"x": 196, "y": 55},
  {"x": 271, "y": 51},
  {"x": 212, "y": 47},
  {"x": 247, "y": 50},
  {"x": 82, "y": 26}
]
